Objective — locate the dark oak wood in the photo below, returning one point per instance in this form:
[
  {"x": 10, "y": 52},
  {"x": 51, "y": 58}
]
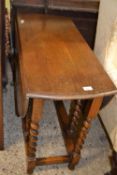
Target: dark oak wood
[
  {"x": 84, "y": 18},
  {"x": 64, "y": 123},
  {"x": 2, "y": 56},
  {"x": 85, "y": 5},
  {"x": 75, "y": 116},
  {"x": 54, "y": 62},
  {"x": 52, "y": 160},
  {"x": 60, "y": 108},
  {"x": 60, "y": 39}
]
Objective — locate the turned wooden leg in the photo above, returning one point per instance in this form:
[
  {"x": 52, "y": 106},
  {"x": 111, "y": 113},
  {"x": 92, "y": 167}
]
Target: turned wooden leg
[
  {"x": 33, "y": 134},
  {"x": 91, "y": 111},
  {"x": 26, "y": 123},
  {"x": 78, "y": 146},
  {"x": 75, "y": 116}
]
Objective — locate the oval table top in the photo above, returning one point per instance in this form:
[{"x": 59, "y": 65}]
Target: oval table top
[{"x": 56, "y": 62}]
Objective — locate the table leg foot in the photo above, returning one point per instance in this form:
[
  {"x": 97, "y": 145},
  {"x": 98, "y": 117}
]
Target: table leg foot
[
  {"x": 71, "y": 167},
  {"x": 74, "y": 161},
  {"x": 1, "y": 148},
  {"x": 30, "y": 167}
]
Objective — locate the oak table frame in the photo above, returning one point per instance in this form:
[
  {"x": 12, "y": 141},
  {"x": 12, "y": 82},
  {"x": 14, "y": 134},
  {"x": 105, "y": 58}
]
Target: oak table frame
[{"x": 60, "y": 66}]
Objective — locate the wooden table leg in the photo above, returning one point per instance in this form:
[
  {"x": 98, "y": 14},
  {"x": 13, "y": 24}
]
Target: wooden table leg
[
  {"x": 75, "y": 116},
  {"x": 91, "y": 111},
  {"x": 26, "y": 125},
  {"x": 33, "y": 133}
]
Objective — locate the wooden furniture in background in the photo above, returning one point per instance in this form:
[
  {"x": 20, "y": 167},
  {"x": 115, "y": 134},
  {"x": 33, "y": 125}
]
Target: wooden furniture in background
[
  {"x": 75, "y": 5},
  {"x": 54, "y": 62},
  {"x": 84, "y": 13}
]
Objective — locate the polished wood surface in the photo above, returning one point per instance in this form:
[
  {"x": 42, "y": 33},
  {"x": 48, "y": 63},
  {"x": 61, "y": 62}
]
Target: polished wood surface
[
  {"x": 85, "y": 20},
  {"x": 56, "y": 62},
  {"x": 2, "y": 56}
]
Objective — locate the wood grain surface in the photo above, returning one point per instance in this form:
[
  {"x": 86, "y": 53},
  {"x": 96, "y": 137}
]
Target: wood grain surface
[{"x": 56, "y": 62}]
